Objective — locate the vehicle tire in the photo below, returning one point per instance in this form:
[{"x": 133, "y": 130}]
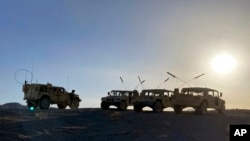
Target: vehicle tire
[
  {"x": 61, "y": 106},
  {"x": 177, "y": 109},
  {"x": 137, "y": 108},
  {"x": 157, "y": 108},
  {"x": 122, "y": 106},
  {"x": 104, "y": 105},
  {"x": 75, "y": 104},
  {"x": 44, "y": 103},
  {"x": 203, "y": 108}
]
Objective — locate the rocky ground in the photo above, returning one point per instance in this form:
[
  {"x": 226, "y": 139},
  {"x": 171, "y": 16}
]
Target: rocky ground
[{"x": 98, "y": 125}]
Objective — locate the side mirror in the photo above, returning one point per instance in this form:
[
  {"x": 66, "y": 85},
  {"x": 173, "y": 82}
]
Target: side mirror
[{"x": 220, "y": 94}]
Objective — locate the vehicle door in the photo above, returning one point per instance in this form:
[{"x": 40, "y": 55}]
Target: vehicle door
[
  {"x": 53, "y": 94},
  {"x": 216, "y": 99},
  {"x": 210, "y": 99},
  {"x": 166, "y": 99},
  {"x": 62, "y": 96},
  {"x": 58, "y": 95},
  {"x": 43, "y": 90},
  {"x": 130, "y": 95},
  {"x": 192, "y": 98}
]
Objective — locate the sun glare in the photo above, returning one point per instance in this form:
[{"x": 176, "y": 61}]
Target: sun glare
[{"x": 223, "y": 63}]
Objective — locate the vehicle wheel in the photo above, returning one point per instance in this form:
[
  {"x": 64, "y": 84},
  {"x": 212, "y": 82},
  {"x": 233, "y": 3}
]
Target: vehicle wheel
[
  {"x": 137, "y": 108},
  {"x": 157, "y": 107},
  {"x": 222, "y": 109},
  {"x": 61, "y": 106},
  {"x": 104, "y": 105},
  {"x": 177, "y": 109},
  {"x": 75, "y": 104},
  {"x": 44, "y": 103},
  {"x": 203, "y": 108},
  {"x": 122, "y": 106}
]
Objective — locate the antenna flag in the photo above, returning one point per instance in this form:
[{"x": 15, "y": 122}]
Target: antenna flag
[
  {"x": 121, "y": 79},
  {"x": 171, "y": 74}
]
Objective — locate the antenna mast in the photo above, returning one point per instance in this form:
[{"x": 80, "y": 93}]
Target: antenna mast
[
  {"x": 141, "y": 81},
  {"x": 162, "y": 83},
  {"x": 178, "y": 79},
  {"x": 193, "y": 79},
  {"x": 122, "y": 82},
  {"x": 68, "y": 82},
  {"x": 185, "y": 82},
  {"x": 32, "y": 67}
]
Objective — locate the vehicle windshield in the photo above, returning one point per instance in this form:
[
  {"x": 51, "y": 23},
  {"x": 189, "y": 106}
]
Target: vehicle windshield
[
  {"x": 148, "y": 93},
  {"x": 156, "y": 93},
  {"x": 193, "y": 92},
  {"x": 118, "y": 93}
]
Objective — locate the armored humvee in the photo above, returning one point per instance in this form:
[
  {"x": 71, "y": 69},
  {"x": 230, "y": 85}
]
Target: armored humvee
[
  {"x": 199, "y": 98},
  {"x": 43, "y": 95},
  {"x": 119, "y": 98},
  {"x": 157, "y": 99}
]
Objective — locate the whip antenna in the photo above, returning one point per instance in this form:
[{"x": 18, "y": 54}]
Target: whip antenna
[
  {"x": 68, "y": 82},
  {"x": 122, "y": 82},
  {"x": 192, "y": 79},
  {"x": 139, "y": 84},
  {"x": 26, "y": 73},
  {"x": 162, "y": 83},
  {"x": 141, "y": 81},
  {"x": 178, "y": 79}
]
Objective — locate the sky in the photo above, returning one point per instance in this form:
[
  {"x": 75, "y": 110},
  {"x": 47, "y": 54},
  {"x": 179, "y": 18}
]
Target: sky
[{"x": 87, "y": 45}]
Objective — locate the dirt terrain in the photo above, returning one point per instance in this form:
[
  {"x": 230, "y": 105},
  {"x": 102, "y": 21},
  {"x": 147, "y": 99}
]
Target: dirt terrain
[{"x": 97, "y": 125}]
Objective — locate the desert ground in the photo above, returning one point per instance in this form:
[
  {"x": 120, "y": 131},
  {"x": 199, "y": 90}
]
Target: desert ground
[{"x": 94, "y": 124}]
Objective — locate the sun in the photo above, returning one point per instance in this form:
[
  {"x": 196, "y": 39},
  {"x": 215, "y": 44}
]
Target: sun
[{"x": 223, "y": 63}]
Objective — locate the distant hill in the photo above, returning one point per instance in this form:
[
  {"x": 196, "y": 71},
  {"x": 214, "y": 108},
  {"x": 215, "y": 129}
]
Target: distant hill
[{"x": 13, "y": 105}]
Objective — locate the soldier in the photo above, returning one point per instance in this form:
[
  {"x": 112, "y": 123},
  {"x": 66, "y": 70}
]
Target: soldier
[{"x": 71, "y": 96}]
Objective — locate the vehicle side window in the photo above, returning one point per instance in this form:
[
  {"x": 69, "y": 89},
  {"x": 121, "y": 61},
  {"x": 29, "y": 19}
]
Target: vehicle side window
[
  {"x": 171, "y": 93},
  {"x": 43, "y": 89},
  {"x": 149, "y": 94},
  {"x": 114, "y": 93},
  {"x": 210, "y": 93},
  {"x": 168, "y": 94},
  {"x": 119, "y": 94},
  {"x": 130, "y": 94},
  {"x": 216, "y": 94},
  {"x": 53, "y": 89},
  {"x": 194, "y": 93},
  {"x": 62, "y": 90},
  {"x": 126, "y": 94}
]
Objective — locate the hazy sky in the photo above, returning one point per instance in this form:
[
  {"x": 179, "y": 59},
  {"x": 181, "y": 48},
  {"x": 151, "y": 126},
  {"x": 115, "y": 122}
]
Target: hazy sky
[{"x": 87, "y": 45}]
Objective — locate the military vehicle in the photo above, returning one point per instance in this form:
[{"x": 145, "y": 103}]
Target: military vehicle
[
  {"x": 157, "y": 99},
  {"x": 199, "y": 98},
  {"x": 119, "y": 98},
  {"x": 43, "y": 95}
]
